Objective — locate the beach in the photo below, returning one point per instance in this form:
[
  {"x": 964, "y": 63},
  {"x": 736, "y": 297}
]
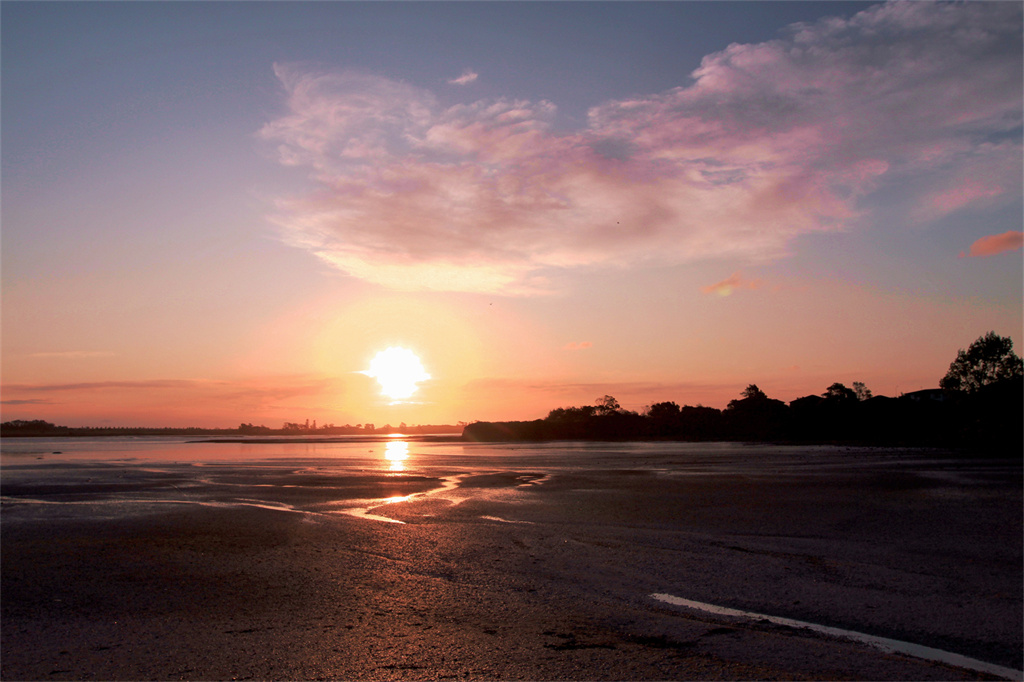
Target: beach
[{"x": 512, "y": 562}]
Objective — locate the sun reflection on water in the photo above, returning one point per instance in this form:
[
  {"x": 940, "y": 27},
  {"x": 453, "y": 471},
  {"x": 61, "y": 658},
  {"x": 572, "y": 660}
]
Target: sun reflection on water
[{"x": 396, "y": 452}]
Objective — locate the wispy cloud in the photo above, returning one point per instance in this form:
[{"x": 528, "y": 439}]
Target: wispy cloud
[
  {"x": 102, "y": 385},
  {"x": 995, "y": 244},
  {"x": 730, "y": 284},
  {"x": 769, "y": 142},
  {"x": 181, "y": 401},
  {"x": 72, "y": 354},
  {"x": 259, "y": 389},
  {"x": 250, "y": 394},
  {"x": 467, "y": 77},
  {"x": 582, "y": 345}
]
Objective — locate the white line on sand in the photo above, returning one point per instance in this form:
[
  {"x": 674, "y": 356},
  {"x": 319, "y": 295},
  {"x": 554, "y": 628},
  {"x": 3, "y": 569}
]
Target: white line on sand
[
  {"x": 883, "y": 643},
  {"x": 501, "y": 520}
]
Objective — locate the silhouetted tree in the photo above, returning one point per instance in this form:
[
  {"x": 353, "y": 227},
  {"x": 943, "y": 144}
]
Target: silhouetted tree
[
  {"x": 604, "y": 420},
  {"x": 837, "y": 414},
  {"x": 700, "y": 423},
  {"x": 607, "y": 405},
  {"x": 571, "y": 414},
  {"x": 862, "y": 391},
  {"x": 755, "y": 416},
  {"x": 21, "y": 427},
  {"x": 989, "y": 360},
  {"x": 666, "y": 411},
  {"x": 751, "y": 395},
  {"x": 839, "y": 393},
  {"x": 753, "y": 392},
  {"x": 664, "y": 419},
  {"x": 991, "y": 419}
]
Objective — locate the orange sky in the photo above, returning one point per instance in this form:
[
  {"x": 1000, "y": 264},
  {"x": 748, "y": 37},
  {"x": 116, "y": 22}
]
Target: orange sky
[
  {"x": 499, "y": 358},
  {"x": 669, "y": 201}
]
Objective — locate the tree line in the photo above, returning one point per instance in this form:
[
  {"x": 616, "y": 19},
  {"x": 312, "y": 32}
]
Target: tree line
[
  {"x": 979, "y": 406},
  {"x": 40, "y": 427}
]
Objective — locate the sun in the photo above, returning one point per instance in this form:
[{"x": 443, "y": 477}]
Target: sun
[{"x": 397, "y": 370}]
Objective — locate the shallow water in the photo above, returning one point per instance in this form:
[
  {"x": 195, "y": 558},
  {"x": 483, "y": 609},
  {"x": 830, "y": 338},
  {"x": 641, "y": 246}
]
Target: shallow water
[
  {"x": 104, "y": 477},
  {"x": 401, "y": 453},
  {"x": 177, "y": 449}
]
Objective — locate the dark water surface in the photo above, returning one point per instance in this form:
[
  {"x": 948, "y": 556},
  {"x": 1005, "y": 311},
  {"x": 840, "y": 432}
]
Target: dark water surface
[{"x": 423, "y": 559}]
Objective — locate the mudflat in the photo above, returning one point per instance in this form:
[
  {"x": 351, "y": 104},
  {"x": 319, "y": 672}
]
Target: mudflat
[{"x": 525, "y": 562}]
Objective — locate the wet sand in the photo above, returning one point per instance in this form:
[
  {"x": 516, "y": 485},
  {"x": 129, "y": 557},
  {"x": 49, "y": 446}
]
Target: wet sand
[{"x": 523, "y": 565}]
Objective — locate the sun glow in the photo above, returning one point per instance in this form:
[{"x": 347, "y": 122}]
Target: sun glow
[{"x": 398, "y": 371}]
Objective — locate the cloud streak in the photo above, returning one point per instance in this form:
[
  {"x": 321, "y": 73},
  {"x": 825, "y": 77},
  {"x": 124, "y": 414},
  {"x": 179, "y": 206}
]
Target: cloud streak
[
  {"x": 72, "y": 354},
  {"x": 734, "y": 282},
  {"x": 147, "y": 385},
  {"x": 995, "y": 244},
  {"x": 182, "y": 401},
  {"x": 769, "y": 142},
  {"x": 468, "y": 76},
  {"x": 271, "y": 388}
]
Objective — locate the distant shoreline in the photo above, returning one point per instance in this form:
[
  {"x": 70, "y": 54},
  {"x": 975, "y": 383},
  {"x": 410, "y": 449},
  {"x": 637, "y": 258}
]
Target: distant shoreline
[
  {"x": 986, "y": 421},
  {"x": 38, "y": 429},
  {"x": 417, "y": 437}
]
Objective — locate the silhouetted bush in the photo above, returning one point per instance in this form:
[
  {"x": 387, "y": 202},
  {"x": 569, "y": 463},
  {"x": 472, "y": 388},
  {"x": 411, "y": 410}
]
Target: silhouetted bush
[
  {"x": 756, "y": 417},
  {"x": 34, "y": 427}
]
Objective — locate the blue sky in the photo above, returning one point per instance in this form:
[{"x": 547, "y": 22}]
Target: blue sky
[{"x": 662, "y": 201}]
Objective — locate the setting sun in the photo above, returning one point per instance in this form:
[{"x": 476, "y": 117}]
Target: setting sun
[{"x": 398, "y": 371}]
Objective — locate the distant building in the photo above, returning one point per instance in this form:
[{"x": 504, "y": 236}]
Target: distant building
[
  {"x": 927, "y": 395},
  {"x": 807, "y": 402}
]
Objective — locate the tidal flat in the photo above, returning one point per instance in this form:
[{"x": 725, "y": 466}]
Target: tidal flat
[{"x": 528, "y": 561}]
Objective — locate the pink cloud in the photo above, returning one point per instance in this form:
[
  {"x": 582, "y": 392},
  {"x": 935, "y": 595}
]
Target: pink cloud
[
  {"x": 956, "y": 198},
  {"x": 995, "y": 244},
  {"x": 577, "y": 346},
  {"x": 771, "y": 141},
  {"x": 959, "y": 197},
  {"x": 467, "y": 77},
  {"x": 734, "y": 282},
  {"x": 978, "y": 178}
]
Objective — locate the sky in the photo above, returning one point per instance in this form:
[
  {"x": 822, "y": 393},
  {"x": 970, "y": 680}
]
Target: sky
[{"x": 216, "y": 213}]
